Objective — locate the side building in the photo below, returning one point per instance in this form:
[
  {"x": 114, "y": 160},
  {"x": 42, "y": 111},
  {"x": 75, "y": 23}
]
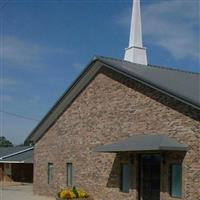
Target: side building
[{"x": 16, "y": 164}]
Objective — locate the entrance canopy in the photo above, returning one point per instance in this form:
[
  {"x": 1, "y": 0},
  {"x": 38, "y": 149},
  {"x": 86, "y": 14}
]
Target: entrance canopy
[{"x": 144, "y": 143}]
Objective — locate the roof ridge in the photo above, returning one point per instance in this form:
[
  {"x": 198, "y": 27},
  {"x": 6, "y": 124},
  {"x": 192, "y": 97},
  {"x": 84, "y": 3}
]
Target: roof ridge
[
  {"x": 173, "y": 69},
  {"x": 97, "y": 56},
  {"x": 150, "y": 65},
  {"x": 117, "y": 59}
]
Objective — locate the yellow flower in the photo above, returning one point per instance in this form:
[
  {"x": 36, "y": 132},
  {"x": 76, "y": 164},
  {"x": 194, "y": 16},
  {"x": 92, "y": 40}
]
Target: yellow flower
[
  {"x": 72, "y": 195},
  {"x": 69, "y": 194},
  {"x": 63, "y": 194},
  {"x": 82, "y": 194}
]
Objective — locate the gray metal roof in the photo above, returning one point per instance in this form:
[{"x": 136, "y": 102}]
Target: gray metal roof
[
  {"x": 181, "y": 85},
  {"x": 22, "y": 154},
  {"x": 5, "y": 151},
  {"x": 143, "y": 143},
  {"x": 24, "y": 157}
]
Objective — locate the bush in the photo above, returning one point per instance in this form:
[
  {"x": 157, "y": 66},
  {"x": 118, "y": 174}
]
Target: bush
[
  {"x": 72, "y": 194},
  {"x": 75, "y": 192}
]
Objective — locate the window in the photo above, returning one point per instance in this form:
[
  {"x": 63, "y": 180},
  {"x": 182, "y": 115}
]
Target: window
[
  {"x": 176, "y": 180},
  {"x": 69, "y": 174},
  {"x": 50, "y": 172},
  {"x": 8, "y": 169},
  {"x": 125, "y": 178}
]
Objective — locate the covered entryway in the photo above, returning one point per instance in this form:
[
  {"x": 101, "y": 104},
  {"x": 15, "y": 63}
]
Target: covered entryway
[
  {"x": 22, "y": 172},
  {"x": 150, "y": 177},
  {"x": 146, "y": 157}
]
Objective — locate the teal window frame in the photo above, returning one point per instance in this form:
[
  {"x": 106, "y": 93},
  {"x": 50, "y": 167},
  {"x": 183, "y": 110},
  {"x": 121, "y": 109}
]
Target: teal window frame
[
  {"x": 176, "y": 180},
  {"x": 50, "y": 172},
  {"x": 69, "y": 169},
  {"x": 125, "y": 177}
]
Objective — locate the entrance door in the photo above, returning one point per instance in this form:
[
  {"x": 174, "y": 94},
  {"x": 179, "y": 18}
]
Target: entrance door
[{"x": 150, "y": 177}]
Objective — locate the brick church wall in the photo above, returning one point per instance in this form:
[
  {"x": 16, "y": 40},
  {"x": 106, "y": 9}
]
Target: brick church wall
[{"x": 113, "y": 107}]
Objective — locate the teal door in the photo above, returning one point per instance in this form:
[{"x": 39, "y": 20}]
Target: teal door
[{"x": 125, "y": 178}]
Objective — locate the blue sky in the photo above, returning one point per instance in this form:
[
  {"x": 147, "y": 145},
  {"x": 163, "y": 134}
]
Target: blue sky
[{"x": 45, "y": 44}]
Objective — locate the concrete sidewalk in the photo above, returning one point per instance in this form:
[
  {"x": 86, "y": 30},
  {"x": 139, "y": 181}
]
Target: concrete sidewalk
[{"x": 20, "y": 192}]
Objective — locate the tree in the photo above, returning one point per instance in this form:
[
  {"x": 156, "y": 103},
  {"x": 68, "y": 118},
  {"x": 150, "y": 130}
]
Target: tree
[
  {"x": 28, "y": 143},
  {"x": 4, "y": 142}
]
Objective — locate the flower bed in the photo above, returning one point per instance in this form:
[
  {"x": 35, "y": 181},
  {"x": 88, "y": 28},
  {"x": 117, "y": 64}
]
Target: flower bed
[{"x": 72, "y": 194}]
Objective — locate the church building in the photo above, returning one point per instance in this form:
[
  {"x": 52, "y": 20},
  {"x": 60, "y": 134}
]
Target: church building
[{"x": 123, "y": 130}]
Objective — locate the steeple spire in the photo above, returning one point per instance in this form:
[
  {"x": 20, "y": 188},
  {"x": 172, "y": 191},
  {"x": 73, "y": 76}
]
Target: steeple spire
[{"x": 136, "y": 53}]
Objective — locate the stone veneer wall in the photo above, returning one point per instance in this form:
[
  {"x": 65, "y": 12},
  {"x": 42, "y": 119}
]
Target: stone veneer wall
[{"x": 113, "y": 107}]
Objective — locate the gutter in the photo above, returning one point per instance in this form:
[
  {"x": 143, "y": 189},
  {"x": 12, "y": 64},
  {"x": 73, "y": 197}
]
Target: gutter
[{"x": 12, "y": 162}]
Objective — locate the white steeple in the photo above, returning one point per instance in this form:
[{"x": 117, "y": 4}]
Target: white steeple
[{"x": 136, "y": 53}]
